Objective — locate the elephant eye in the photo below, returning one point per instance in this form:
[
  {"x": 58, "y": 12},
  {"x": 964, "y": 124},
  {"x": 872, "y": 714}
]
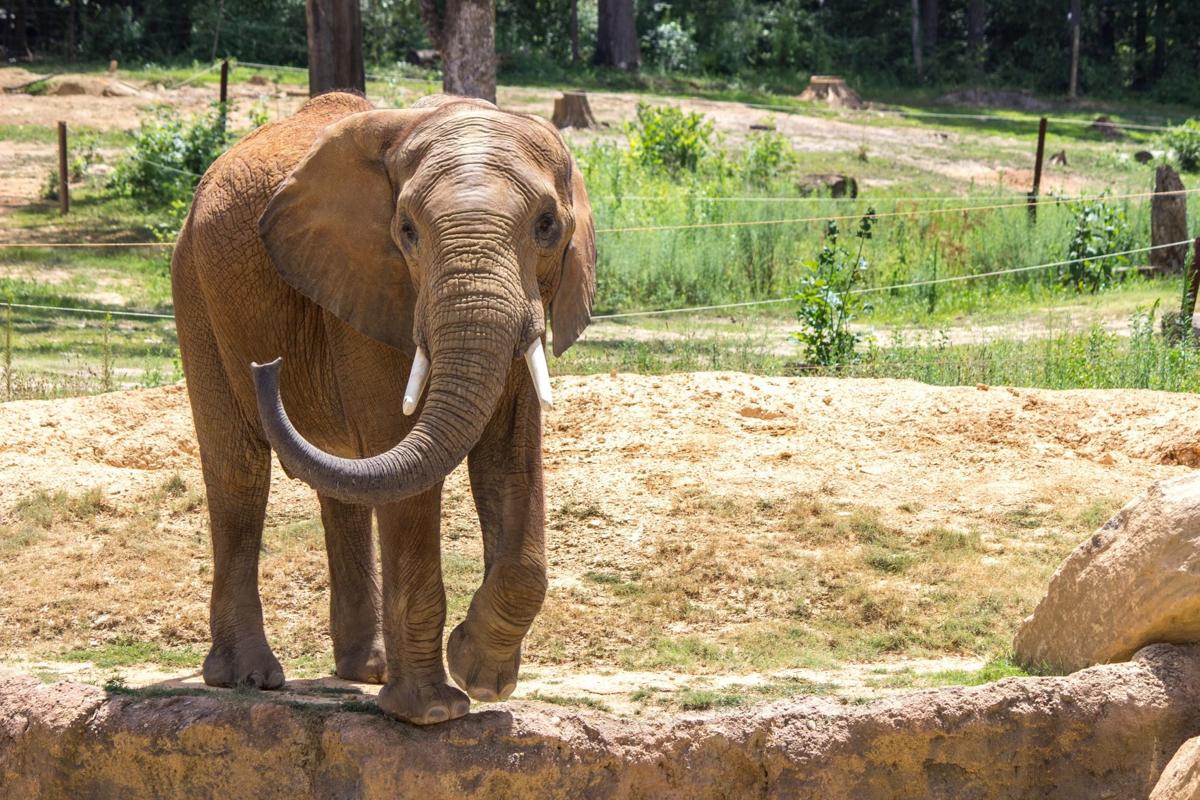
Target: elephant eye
[
  {"x": 409, "y": 232},
  {"x": 545, "y": 230}
]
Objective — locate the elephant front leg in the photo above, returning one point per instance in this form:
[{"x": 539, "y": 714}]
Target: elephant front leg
[
  {"x": 484, "y": 652},
  {"x": 353, "y": 592},
  {"x": 414, "y": 613}
]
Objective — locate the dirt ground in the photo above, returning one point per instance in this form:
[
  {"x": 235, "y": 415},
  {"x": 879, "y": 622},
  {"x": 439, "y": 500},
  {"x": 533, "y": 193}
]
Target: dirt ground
[{"x": 706, "y": 532}]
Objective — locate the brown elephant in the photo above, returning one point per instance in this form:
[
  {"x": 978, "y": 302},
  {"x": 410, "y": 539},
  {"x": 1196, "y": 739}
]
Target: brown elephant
[{"x": 362, "y": 247}]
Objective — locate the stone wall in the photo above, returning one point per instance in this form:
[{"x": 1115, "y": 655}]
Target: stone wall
[{"x": 1106, "y": 731}]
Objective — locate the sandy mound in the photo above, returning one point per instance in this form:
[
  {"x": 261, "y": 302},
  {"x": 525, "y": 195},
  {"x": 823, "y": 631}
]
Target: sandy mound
[
  {"x": 614, "y": 433},
  {"x": 14, "y": 77},
  {"x": 76, "y": 85}
]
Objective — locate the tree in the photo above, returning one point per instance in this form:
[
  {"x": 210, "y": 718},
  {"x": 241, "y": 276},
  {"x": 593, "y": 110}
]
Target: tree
[
  {"x": 466, "y": 37},
  {"x": 335, "y": 59},
  {"x": 929, "y": 25},
  {"x": 916, "y": 40},
  {"x": 976, "y": 21},
  {"x": 616, "y": 35},
  {"x": 1076, "y": 12}
]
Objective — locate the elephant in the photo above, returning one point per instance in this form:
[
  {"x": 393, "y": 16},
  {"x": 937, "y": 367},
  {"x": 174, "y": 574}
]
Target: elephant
[{"x": 368, "y": 292}]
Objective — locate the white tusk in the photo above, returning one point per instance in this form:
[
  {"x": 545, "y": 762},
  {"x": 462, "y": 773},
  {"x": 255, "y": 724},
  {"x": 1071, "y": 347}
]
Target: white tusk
[
  {"x": 535, "y": 357},
  {"x": 416, "y": 381}
]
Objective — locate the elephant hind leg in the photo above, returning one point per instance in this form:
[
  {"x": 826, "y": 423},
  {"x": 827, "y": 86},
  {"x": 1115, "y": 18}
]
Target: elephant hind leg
[
  {"x": 236, "y": 464},
  {"x": 353, "y": 592}
]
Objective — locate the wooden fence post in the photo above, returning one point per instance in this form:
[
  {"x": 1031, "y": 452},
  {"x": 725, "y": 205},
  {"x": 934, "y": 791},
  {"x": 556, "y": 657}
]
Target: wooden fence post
[
  {"x": 225, "y": 81},
  {"x": 1191, "y": 286},
  {"x": 64, "y": 177},
  {"x": 1037, "y": 171}
]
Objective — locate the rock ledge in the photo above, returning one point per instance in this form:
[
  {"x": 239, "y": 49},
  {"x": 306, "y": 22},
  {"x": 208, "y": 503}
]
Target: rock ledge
[{"x": 1107, "y": 731}]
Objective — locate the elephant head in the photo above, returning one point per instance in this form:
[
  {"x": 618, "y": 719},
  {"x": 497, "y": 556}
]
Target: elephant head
[{"x": 450, "y": 230}]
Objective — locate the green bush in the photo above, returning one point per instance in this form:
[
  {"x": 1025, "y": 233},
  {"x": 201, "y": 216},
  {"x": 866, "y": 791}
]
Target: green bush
[
  {"x": 767, "y": 154},
  {"x": 1184, "y": 141},
  {"x": 168, "y": 157},
  {"x": 1100, "y": 229},
  {"x": 666, "y": 138},
  {"x": 827, "y": 300}
]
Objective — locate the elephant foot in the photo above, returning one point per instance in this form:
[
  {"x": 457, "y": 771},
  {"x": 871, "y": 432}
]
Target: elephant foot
[
  {"x": 484, "y": 677},
  {"x": 362, "y": 665},
  {"x": 423, "y": 705},
  {"x": 244, "y": 665}
]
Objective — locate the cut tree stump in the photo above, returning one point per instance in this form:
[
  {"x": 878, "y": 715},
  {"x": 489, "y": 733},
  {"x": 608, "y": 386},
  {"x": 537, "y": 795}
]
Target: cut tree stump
[
  {"x": 572, "y": 111},
  {"x": 834, "y": 185},
  {"x": 1168, "y": 223},
  {"x": 832, "y": 90}
]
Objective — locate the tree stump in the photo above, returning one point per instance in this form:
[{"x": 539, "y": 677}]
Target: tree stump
[
  {"x": 834, "y": 185},
  {"x": 832, "y": 90},
  {"x": 572, "y": 111},
  {"x": 1168, "y": 223}
]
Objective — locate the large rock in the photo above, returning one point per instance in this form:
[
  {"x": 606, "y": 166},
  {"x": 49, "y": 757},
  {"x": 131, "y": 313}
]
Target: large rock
[
  {"x": 1168, "y": 222},
  {"x": 1135, "y": 581},
  {"x": 1181, "y": 779},
  {"x": 1105, "y": 732}
]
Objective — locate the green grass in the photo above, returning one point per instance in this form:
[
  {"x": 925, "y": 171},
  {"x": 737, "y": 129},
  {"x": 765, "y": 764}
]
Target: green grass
[
  {"x": 994, "y": 670},
  {"x": 571, "y": 700},
  {"x": 128, "y": 653}
]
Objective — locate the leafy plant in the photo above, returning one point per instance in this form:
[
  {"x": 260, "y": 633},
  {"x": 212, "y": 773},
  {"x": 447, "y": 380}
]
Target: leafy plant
[
  {"x": 83, "y": 153},
  {"x": 767, "y": 154},
  {"x": 1184, "y": 141},
  {"x": 665, "y": 138},
  {"x": 671, "y": 46},
  {"x": 827, "y": 300},
  {"x": 168, "y": 157},
  {"x": 1100, "y": 230}
]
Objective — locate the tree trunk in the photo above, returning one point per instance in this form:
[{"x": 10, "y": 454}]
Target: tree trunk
[
  {"x": 1161, "y": 26},
  {"x": 72, "y": 30},
  {"x": 574, "y": 31},
  {"x": 1140, "y": 31},
  {"x": 22, "y": 23},
  {"x": 929, "y": 25},
  {"x": 1076, "y": 12},
  {"x": 616, "y": 35},
  {"x": 916, "y": 40},
  {"x": 976, "y": 20},
  {"x": 335, "y": 58},
  {"x": 469, "y": 48}
]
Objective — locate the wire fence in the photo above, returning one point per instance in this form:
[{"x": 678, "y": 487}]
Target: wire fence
[
  {"x": 822, "y": 218},
  {"x": 119, "y": 347}
]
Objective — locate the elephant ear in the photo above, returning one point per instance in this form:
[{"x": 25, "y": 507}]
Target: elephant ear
[
  {"x": 571, "y": 306},
  {"x": 327, "y": 229}
]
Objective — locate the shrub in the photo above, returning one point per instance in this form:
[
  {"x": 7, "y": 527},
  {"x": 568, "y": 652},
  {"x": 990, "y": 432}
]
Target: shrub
[
  {"x": 168, "y": 156},
  {"x": 767, "y": 154},
  {"x": 827, "y": 300},
  {"x": 1100, "y": 229},
  {"x": 1184, "y": 142},
  {"x": 668, "y": 139},
  {"x": 671, "y": 46}
]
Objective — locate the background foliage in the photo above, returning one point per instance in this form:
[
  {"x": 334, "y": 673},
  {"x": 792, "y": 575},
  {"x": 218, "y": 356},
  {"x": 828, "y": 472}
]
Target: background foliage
[{"x": 1145, "y": 45}]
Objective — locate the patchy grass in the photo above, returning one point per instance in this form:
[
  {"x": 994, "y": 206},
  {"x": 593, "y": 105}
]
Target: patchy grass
[
  {"x": 803, "y": 582},
  {"x": 129, "y": 653},
  {"x": 572, "y": 701},
  {"x": 996, "y": 669}
]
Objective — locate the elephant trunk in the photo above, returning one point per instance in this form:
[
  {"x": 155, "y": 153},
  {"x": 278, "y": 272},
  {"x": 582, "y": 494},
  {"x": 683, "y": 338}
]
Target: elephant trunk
[{"x": 474, "y": 336}]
